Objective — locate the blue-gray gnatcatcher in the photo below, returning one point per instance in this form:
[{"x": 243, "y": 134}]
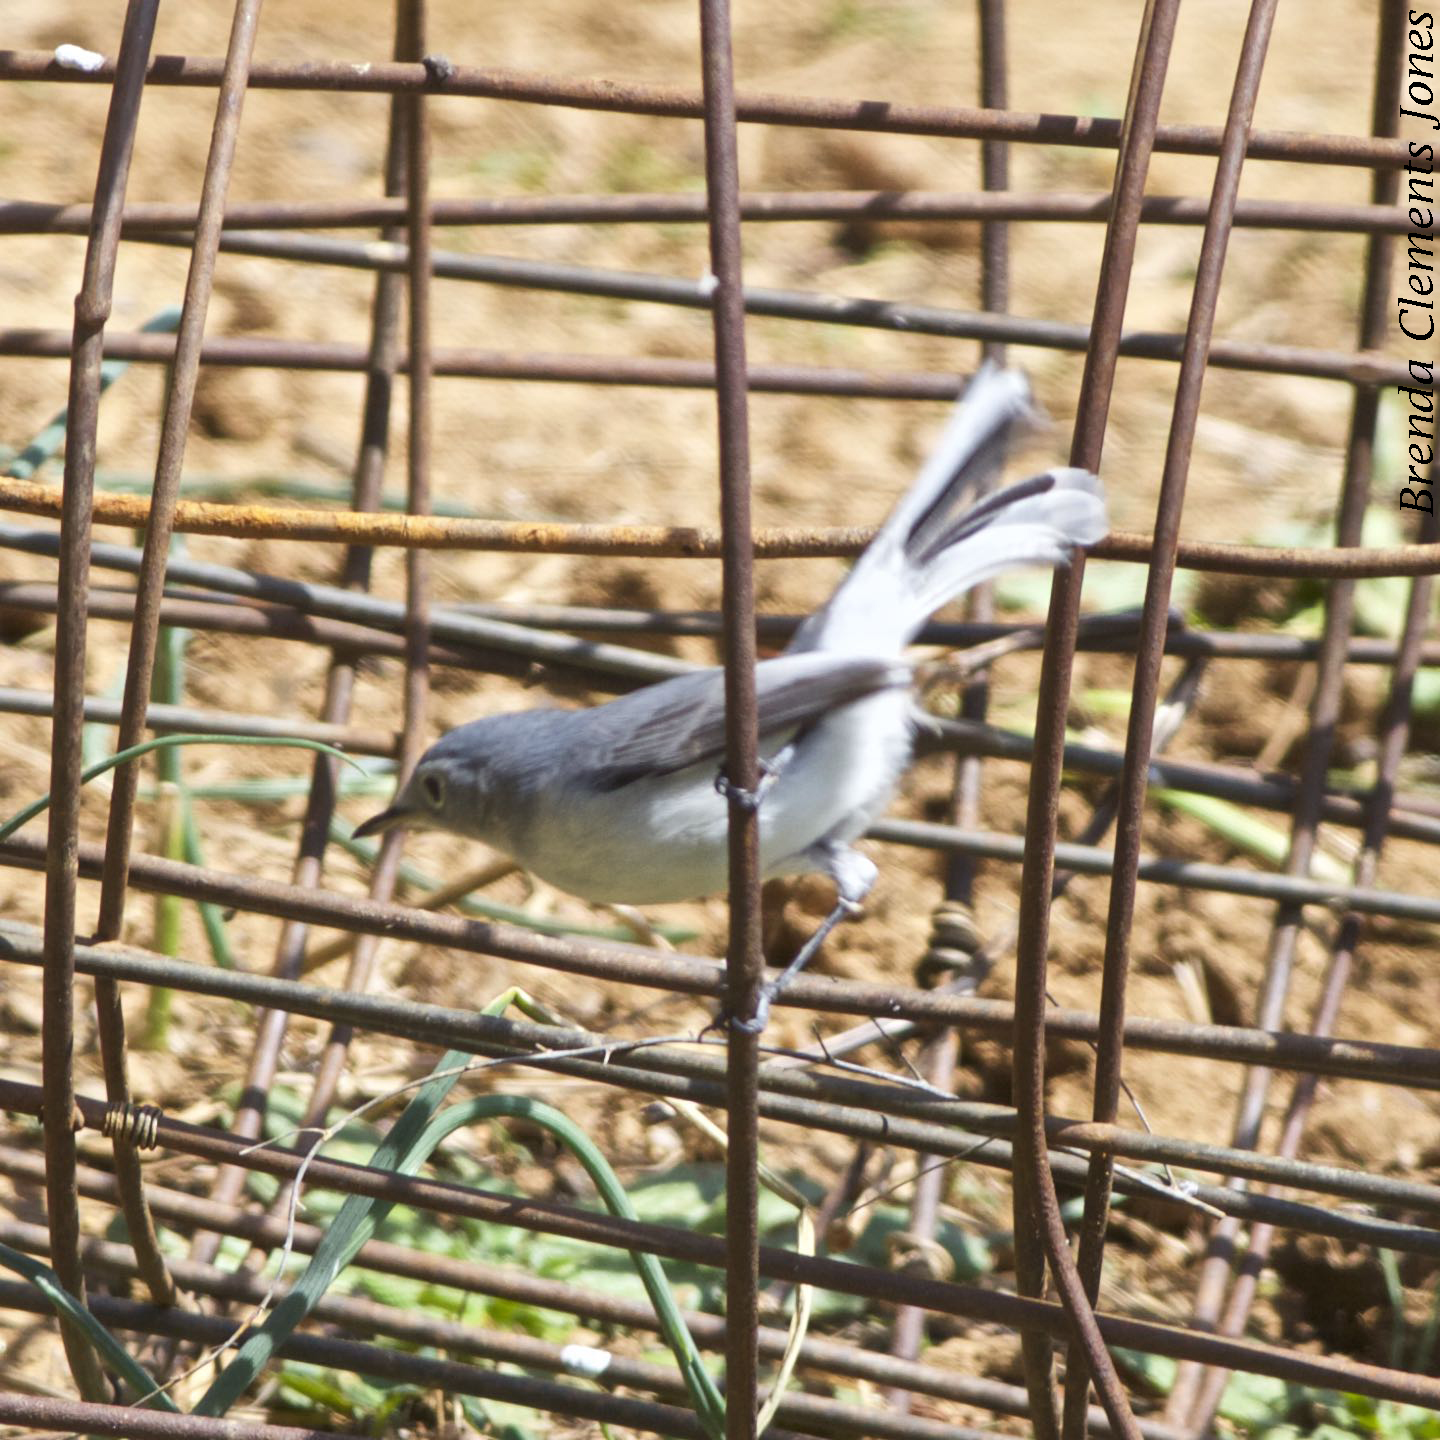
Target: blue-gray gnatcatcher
[{"x": 620, "y": 802}]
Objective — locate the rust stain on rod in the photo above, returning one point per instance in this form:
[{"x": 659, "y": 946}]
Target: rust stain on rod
[{"x": 431, "y": 532}]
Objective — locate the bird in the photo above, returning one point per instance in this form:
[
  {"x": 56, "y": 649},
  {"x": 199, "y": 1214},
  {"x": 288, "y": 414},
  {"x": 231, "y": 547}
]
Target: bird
[{"x": 625, "y": 802}]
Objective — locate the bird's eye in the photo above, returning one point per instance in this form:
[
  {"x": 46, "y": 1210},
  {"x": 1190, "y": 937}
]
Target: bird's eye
[{"x": 434, "y": 788}]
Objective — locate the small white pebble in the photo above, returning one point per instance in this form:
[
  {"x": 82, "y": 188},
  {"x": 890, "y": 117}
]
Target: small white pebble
[
  {"x": 76, "y": 57},
  {"x": 709, "y": 284},
  {"x": 586, "y": 1360}
]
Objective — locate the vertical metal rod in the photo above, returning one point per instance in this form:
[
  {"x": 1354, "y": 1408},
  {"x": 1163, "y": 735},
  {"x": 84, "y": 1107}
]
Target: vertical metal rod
[
  {"x": 994, "y": 300},
  {"x": 145, "y": 627},
  {"x": 994, "y": 170},
  {"x": 92, "y": 311},
  {"x": 179, "y": 402},
  {"x": 381, "y": 366},
  {"x": 1032, "y": 1177},
  {"x": 1325, "y": 704},
  {"x": 421, "y": 367},
  {"x": 743, "y": 958},
  {"x": 1394, "y": 728},
  {"x": 1149, "y": 657},
  {"x": 939, "y": 1057},
  {"x": 369, "y": 471}
]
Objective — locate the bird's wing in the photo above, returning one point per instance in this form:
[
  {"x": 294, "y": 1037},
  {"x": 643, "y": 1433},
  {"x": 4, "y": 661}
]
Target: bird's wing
[{"x": 681, "y": 722}]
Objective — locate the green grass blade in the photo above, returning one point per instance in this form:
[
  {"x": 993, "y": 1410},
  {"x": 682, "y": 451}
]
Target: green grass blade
[
  {"x": 212, "y": 917},
  {"x": 404, "y": 1149},
  {"x": 1243, "y": 830},
  {"x": 165, "y": 742},
  {"x": 167, "y": 687},
  {"x": 47, "y": 1282},
  {"x": 400, "y": 1153},
  {"x": 48, "y": 442}
]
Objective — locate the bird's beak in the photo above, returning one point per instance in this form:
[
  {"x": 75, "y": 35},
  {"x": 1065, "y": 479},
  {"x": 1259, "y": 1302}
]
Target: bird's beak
[{"x": 385, "y": 820}]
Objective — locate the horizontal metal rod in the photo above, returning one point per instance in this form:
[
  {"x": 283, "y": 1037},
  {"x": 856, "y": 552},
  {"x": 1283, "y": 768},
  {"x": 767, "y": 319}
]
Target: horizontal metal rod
[
  {"x": 1266, "y": 791},
  {"x": 24, "y": 217},
  {"x": 1356, "y": 368},
  {"x": 281, "y": 621},
  {"x": 334, "y": 601},
  {"x": 634, "y": 964},
  {"x": 817, "y": 1099},
  {"x": 867, "y": 1282},
  {"x": 1274, "y": 792},
  {"x": 179, "y": 720},
  {"x": 807, "y": 1414},
  {"x": 36, "y": 1414},
  {"x": 434, "y": 532},
  {"x": 379, "y": 77},
  {"x": 1086, "y": 859},
  {"x": 262, "y": 620},
  {"x": 451, "y": 1376},
  {"x": 1239, "y": 785},
  {"x": 502, "y": 365},
  {"x": 907, "y": 318},
  {"x": 1269, "y": 792},
  {"x": 956, "y": 634},
  {"x": 1183, "y": 874},
  {"x": 188, "y": 1211}
]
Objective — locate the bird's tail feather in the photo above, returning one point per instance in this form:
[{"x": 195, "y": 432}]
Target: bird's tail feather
[
  {"x": 934, "y": 547},
  {"x": 1040, "y": 521},
  {"x": 966, "y": 458}
]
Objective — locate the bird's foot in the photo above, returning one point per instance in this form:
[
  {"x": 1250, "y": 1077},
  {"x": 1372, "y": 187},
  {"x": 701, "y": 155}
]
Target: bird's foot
[
  {"x": 845, "y": 909},
  {"x": 770, "y": 771}
]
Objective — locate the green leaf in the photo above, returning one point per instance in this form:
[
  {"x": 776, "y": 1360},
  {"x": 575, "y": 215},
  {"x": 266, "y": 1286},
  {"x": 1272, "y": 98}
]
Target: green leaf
[
  {"x": 110, "y": 1350},
  {"x": 1253, "y": 1401},
  {"x": 1247, "y": 832}
]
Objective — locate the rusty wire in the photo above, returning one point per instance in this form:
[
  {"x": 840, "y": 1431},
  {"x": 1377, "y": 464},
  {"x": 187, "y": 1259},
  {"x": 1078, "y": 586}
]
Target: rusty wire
[
  {"x": 1197, "y": 1394},
  {"x": 429, "y": 532},
  {"x": 1037, "y": 1149},
  {"x": 945, "y": 1297},
  {"x": 882, "y": 117},
  {"x": 20, "y": 217},
  {"x": 92, "y": 311},
  {"x": 1138, "y": 740}
]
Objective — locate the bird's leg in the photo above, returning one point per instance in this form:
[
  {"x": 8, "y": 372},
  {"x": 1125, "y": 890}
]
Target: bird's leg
[
  {"x": 770, "y": 771},
  {"x": 853, "y": 875}
]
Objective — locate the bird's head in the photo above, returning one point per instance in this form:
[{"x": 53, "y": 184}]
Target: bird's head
[{"x": 449, "y": 789}]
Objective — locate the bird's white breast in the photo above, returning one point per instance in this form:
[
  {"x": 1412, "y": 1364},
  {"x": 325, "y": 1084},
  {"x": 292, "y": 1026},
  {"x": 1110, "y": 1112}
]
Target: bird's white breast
[{"x": 664, "y": 839}]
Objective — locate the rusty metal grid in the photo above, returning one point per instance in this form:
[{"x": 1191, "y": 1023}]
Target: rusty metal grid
[{"x": 1255, "y": 1193}]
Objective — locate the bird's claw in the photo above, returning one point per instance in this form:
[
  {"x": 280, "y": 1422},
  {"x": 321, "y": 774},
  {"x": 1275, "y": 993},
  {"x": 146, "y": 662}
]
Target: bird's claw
[{"x": 750, "y": 799}]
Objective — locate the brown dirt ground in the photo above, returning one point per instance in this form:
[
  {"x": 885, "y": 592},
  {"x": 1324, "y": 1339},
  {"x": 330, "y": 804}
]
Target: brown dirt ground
[{"x": 1268, "y": 450}]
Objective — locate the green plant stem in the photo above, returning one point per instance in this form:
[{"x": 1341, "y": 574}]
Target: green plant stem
[
  {"x": 404, "y": 1149},
  {"x": 47, "y": 1282},
  {"x": 48, "y": 442},
  {"x": 167, "y": 688},
  {"x": 165, "y": 742}
]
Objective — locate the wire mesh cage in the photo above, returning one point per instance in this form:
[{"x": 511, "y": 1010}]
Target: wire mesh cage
[{"x": 1114, "y": 1113}]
